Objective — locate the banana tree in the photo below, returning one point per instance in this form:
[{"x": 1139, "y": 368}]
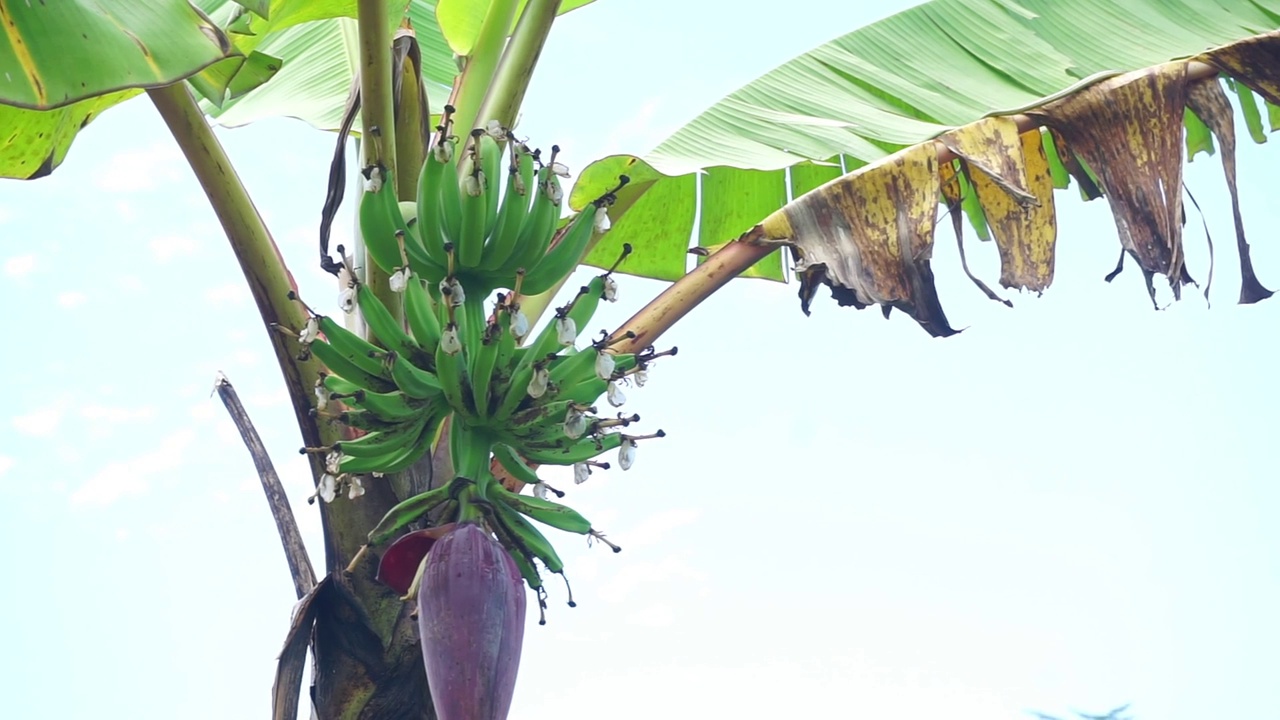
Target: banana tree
[{"x": 427, "y": 406}]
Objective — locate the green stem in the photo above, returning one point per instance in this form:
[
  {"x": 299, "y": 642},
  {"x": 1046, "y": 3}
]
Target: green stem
[
  {"x": 268, "y": 279},
  {"x": 377, "y": 119},
  {"x": 481, "y": 63},
  {"x": 511, "y": 79}
]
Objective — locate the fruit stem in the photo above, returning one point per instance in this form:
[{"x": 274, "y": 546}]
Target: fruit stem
[
  {"x": 511, "y": 78},
  {"x": 482, "y": 61},
  {"x": 377, "y": 122}
]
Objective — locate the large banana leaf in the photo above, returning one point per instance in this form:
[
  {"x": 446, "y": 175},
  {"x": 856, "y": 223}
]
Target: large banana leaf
[
  {"x": 227, "y": 49},
  {"x": 65, "y": 62},
  {"x": 319, "y": 58},
  {"x": 890, "y": 85}
]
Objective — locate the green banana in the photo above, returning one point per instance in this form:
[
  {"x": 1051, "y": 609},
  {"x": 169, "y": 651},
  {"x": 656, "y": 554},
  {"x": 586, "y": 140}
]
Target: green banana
[
  {"x": 546, "y": 512},
  {"x": 514, "y": 464},
  {"x": 528, "y": 535},
  {"x": 522, "y": 556},
  {"x": 430, "y": 218},
  {"x": 420, "y": 313},
  {"x": 341, "y": 366},
  {"x": 382, "y": 442},
  {"x": 564, "y": 256},
  {"x": 377, "y": 223},
  {"x": 388, "y": 331},
  {"x": 341, "y": 385},
  {"x": 450, "y": 201},
  {"x": 449, "y": 369},
  {"x": 511, "y": 215},
  {"x": 395, "y": 461},
  {"x": 415, "y": 382},
  {"x": 491, "y": 164},
  {"x": 406, "y": 512},
  {"x": 388, "y": 406},
  {"x": 366, "y": 420},
  {"x": 351, "y": 346},
  {"x": 580, "y": 451},
  {"x": 540, "y": 225},
  {"x": 483, "y": 360},
  {"x": 420, "y": 262},
  {"x": 474, "y": 203},
  {"x": 575, "y": 368}
]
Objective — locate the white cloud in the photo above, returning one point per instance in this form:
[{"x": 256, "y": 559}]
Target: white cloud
[
  {"x": 116, "y": 415},
  {"x": 6, "y": 462},
  {"x": 5, "y": 214},
  {"x": 247, "y": 358},
  {"x": 167, "y": 247},
  {"x": 137, "y": 170},
  {"x": 229, "y": 294},
  {"x": 40, "y": 422},
  {"x": 20, "y": 265},
  {"x": 132, "y": 477},
  {"x": 72, "y": 299}
]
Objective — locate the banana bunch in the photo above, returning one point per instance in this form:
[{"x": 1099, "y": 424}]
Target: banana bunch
[
  {"x": 513, "y": 399},
  {"x": 462, "y": 227}
]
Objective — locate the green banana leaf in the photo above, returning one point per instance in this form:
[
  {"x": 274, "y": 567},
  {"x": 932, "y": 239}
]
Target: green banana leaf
[
  {"x": 891, "y": 84},
  {"x": 319, "y": 58},
  {"x": 227, "y": 49},
  {"x": 66, "y": 62}
]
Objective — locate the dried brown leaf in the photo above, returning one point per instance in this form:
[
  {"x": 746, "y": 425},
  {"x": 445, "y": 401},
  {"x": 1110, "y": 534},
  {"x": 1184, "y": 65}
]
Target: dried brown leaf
[
  {"x": 1129, "y": 130},
  {"x": 1088, "y": 188},
  {"x": 1208, "y": 101},
  {"x": 869, "y": 236},
  {"x": 1254, "y": 61}
]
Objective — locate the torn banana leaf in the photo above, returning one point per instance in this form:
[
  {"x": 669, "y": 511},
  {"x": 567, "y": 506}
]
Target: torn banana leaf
[
  {"x": 1128, "y": 130},
  {"x": 1208, "y": 101},
  {"x": 869, "y": 237},
  {"x": 1010, "y": 174}
]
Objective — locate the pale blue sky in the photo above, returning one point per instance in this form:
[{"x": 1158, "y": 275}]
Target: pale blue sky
[{"x": 1069, "y": 505}]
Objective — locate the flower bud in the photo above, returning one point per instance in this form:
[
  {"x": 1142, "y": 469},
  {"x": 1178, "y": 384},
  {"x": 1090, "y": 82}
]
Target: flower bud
[
  {"x": 605, "y": 365},
  {"x": 452, "y": 289},
  {"x": 627, "y": 453},
  {"x": 398, "y": 280},
  {"x": 566, "y": 331},
  {"x": 449, "y": 341},
  {"x": 328, "y": 489},
  {"x": 310, "y": 331},
  {"x": 519, "y": 325},
  {"x": 581, "y": 471},
  {"x": 641, "y": 377},
  {"x": 559, "y": 168},
  {"x": 332, "y": 461},
  {"x": 355, "y": 487},
  {"x": 347, "y": 300},
  {"x": 610, "y": 289},
  {"x": 575, "y": 423},
  {"x": 602, "y": 220},
  {"x": 540, "y": 491},
  {"x": 614, "y": 395},
  {"x": 538, "y": 383}
]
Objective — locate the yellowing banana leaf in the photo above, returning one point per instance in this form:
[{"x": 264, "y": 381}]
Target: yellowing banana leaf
[
  {"x": 1009, "y": 174},
  {"x": 63, "y": 63},
  {"x": 942, "y": 65},
  {"x": 869, "y": 237}
]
